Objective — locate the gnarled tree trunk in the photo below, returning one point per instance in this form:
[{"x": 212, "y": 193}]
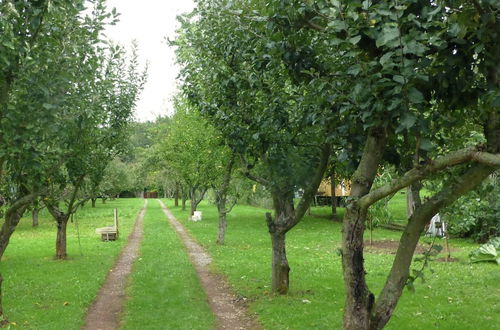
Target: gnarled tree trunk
[
  {"x": 452, "y": 190},
  {"x": 61, "y": 219},
  {"x": 359, "y": 299},
  {"x": 93, "y": 200},
  {"x": 398, "y": 276},
  {"x": 285, "y": 219}
]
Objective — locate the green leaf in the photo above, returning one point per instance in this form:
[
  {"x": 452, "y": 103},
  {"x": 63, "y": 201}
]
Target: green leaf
[
  {"x": 337, "y": 25},
  {"x": 408, "y": 120},
  {"x": 355, "y": 40},
  {"x": 488, "y": 252},
  {"x": 354, "y": 70},
  {"x": 386, "y": 58},
  {"x": 414, "y": 47},
  {"x": 426, "y": 145},
  {"x": 389, "y": 33},
  {"x": 399, "y": 79},
  {"x": 9, "y": 44},
  {"x": 415, "y": 96}
]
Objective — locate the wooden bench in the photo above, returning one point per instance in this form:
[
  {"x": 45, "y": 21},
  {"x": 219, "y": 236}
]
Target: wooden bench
[{"x": 109, "y": 233}]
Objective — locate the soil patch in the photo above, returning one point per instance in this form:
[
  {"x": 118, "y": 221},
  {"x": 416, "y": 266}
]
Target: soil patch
[
  {"x": 389, "y": 247},
  {"x": 229, "y": 309},
  {"x": 104, "y": 314}
]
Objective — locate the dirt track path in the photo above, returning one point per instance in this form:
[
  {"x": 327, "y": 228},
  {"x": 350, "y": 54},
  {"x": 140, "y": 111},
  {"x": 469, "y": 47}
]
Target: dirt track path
[
  {"x": 104, "y": 314},
  {"x": 230, "y": 312}
]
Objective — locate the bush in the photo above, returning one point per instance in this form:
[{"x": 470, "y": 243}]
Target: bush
[{"x": 476, "y": 214}]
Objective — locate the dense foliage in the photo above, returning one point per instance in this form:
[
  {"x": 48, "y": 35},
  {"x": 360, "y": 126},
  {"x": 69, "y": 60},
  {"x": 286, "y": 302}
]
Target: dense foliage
[
  {"x": 289, "y": 82},
  {"x": 476, "y": 215},
  {"x": 66, "y": 98}
]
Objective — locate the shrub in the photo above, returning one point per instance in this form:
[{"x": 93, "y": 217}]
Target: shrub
[{"x": 476, "y": 214}]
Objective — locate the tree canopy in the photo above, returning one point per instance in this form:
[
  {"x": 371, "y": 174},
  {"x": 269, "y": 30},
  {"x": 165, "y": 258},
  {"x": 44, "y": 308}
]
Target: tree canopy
[{"x": 370, "y": 81}]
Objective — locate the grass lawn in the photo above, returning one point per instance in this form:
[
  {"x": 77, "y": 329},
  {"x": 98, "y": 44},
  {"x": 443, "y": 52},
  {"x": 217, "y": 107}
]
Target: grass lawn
[
  {"x": 43, "y": 293},
  {"x": 164, "y": 292},
  {"x": 456, "y": 296}
]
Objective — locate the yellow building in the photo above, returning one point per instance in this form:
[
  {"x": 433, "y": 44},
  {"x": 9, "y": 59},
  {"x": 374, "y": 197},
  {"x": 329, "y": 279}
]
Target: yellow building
[{"x": 342, "y": 189}]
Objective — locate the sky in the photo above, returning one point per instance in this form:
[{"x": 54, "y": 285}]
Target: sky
[{"x": 150, "y": 22}]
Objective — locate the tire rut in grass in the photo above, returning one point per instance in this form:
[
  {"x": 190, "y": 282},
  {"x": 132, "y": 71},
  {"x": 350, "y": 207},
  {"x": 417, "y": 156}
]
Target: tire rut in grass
[
  {"x": 105, "y": 312},
  {"x": 230, "y": 313}
]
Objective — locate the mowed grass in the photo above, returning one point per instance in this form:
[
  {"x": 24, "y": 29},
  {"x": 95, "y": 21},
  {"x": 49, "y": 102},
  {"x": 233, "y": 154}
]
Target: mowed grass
[
  {"x": 164, "y": 291},
  {"x": 457, "y": 295},
  {"x": 43, "y": 293}
]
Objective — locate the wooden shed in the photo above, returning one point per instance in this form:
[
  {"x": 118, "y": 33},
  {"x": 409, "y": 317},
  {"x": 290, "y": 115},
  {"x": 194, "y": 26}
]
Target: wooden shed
[
  {"x": 342, "y": 189},
  {"x": 324, "y": 194}
]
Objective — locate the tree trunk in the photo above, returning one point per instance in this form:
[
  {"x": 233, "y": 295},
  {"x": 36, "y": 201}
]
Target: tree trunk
[
  {"x": 1, "y": 303},
  {"x": 176, "y": 195},
  {"x": 413, "y": 200},
  {"x": 192, "y": 208},
  {"x": 280, "y": 267},
  {"x": 333, "y": 198},
  {"x": 34, "y": 217},
  {"x": 12, "y": 217},
  {"x": 221, "y": 199},
  {"x": 104, "y": 200},
  {"x": 221, "y": 234},
  {"x": 93, "y": 202},
  {"x": 410, "y": 205},
  {"x": 62, "y": 223},
  {"x": 359, "y": 299},
  {"x": 184, "y": 202},
  {"x": 283, "y": 221},
  {"x": 195, "y": 200}
]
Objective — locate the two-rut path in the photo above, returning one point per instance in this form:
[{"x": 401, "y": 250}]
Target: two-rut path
[{"x": 105, "y": 312}]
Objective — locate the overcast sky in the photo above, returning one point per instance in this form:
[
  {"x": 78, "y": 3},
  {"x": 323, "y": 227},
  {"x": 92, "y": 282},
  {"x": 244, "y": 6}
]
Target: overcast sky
[{"x": 150, "y": 22}]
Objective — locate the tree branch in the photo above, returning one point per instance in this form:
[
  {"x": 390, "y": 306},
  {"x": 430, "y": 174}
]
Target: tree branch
[
  {"x": 232, "y": 206},
  {"x": 71, "y": 203},
  {"x": 246, "y": 172},
  {"x": 312, "y": 188},
  {"x": 421, "y": 172},
  {"x": 316, "y": 26},
  {"x": 399, "y": 273},
  {"x": 25, "y": 200}
]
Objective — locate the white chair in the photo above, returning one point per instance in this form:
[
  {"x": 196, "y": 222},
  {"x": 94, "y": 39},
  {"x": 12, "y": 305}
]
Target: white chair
[{"x": 196, "y": 216}]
